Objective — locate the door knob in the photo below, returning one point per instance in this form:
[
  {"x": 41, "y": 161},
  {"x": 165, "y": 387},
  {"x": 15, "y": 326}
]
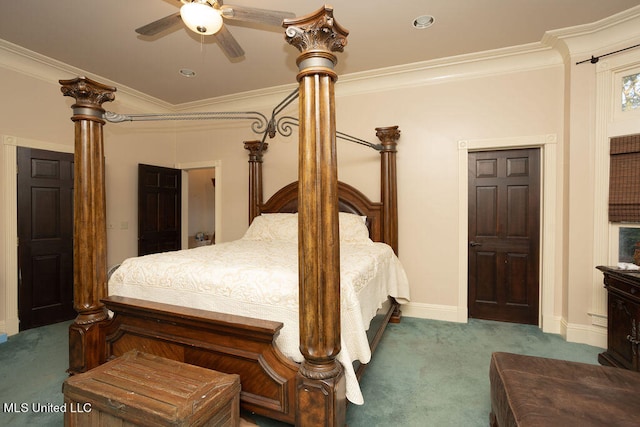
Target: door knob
[{"x": 473, "y": 244}]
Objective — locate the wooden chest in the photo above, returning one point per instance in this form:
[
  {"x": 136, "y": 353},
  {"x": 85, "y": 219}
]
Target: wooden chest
[{"x": 145, "y": 390}]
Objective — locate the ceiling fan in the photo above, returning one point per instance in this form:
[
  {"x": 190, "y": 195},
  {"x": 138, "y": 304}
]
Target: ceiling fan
[{"x": 206, "y": 17}]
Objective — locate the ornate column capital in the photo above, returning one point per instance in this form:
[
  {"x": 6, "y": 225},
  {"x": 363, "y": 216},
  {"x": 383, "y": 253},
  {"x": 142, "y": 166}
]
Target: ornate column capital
[
  {"x": 256, "y": 150},
  {"x": 389, "y": 137},
  {"x": 316, "y": 35},
  {"x": 89, "y": 96}
]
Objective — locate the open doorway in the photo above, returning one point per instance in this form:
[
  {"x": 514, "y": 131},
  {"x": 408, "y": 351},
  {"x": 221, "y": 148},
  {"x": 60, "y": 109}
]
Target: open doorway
[{"x": 201, "y": 204}]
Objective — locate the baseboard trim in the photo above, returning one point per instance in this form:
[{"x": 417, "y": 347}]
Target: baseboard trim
[
  {"x": 552, "y": 325},
  {"x": 448, "y": 313},
  {"x": 584, "y": 334},
  {"x": 11, "y": 326}
]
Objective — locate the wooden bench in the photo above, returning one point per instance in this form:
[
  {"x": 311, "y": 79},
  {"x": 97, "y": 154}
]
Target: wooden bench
[
  {"x": 145, "y": 390},
  {"x": 532, "y": 391}
]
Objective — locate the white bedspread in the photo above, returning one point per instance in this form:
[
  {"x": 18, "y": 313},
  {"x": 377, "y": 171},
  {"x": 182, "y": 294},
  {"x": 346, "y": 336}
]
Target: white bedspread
[{"x": 259, "y": 279}]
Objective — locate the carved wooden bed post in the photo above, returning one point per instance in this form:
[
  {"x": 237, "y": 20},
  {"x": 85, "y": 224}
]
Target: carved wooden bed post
[
  {"x": 389, "y": 197},
  {"x": 388, "y": 136},
  {"x": 256, "y": 150},
  {"x": 320, "y": 381},
  {"x": 90, "y": 230}
]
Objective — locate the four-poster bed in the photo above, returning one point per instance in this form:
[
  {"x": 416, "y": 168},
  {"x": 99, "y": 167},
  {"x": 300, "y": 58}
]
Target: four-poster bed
[{"x": 308, "y": 393}]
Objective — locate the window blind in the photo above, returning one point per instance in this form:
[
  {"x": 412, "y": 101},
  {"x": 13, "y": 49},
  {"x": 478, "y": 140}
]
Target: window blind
[{"x": 624, "y": 179}]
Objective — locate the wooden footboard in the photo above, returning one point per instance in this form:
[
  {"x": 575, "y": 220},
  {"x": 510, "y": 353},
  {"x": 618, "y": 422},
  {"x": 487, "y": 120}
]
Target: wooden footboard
[{"x": 225, "y": 343}]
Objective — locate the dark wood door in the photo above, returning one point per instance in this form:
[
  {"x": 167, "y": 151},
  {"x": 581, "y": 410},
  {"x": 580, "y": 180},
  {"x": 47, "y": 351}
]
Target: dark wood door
[
  {"x": 45, "y": 237},
  {"x": 504, "y": 235},
  {"x": 159, "y": 207}
]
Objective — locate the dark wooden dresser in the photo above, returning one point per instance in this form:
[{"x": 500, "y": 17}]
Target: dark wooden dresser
[{"x": 623, "y": 325}]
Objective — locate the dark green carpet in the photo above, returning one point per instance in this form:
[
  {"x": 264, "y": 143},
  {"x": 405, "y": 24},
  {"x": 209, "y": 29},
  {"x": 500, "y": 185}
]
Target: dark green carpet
[
  {"x": 437, "y": 373},
  {"x": 425, "y": 372},
  {"x": 32, "y": 369}
]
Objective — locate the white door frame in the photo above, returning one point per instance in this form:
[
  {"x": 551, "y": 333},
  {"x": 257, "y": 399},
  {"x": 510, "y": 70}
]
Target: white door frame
[{"x": 548, "y": 145}]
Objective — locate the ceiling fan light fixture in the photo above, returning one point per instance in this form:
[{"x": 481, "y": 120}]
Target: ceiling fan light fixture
[{"x": 201, "y": 18}]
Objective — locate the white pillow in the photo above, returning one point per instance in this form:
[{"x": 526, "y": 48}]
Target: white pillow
[
  {"x": 274, "y": 226},
  {"x": 353, "y": 228},
  {"x": 284, "y": 226}
]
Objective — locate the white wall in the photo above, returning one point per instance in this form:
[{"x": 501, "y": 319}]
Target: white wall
[
  {"x": 127, "y": 145},
  {"x": 593, "y": 115}
]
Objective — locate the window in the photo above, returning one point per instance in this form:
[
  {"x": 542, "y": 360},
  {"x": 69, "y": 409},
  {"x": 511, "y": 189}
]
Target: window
[
  {"x": 631, "y": 92},
  {"x": 628, "y": 238}
]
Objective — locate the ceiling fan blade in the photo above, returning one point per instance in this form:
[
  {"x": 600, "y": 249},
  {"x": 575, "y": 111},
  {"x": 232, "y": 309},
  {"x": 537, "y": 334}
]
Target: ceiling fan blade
[
  {"x": 252, "y": 14},
  {"x": 228, "y": 43},
  {"x": 160, "y": 25}
]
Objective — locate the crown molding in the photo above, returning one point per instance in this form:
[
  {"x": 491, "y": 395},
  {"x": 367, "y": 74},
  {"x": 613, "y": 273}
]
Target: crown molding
[
  {"x": 254, "y": 99},
  {"x": 33, "y": 64},
  {"x": 597, "y": 26},
  {"x": 500, "y": 61},
  {"x": 587, "y": 39},
  {"x": 529, "y": 56},
  {"x": 526, "y": 57},
  {"x": 549, "y": 52}
]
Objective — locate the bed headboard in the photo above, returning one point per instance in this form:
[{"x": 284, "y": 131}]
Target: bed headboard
[
  {"x": 350, "y": 200},
  {"x": 382, "y": 217}
]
